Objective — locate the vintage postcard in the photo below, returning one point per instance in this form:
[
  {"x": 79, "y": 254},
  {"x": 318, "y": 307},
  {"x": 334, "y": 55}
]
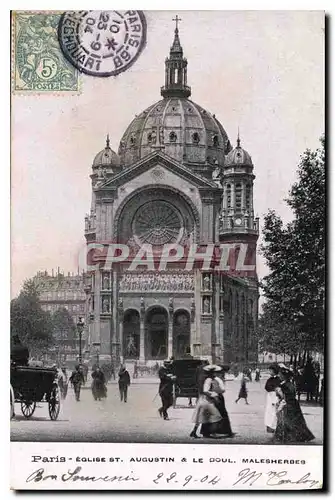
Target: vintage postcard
[{"x": 168, "y": 250}]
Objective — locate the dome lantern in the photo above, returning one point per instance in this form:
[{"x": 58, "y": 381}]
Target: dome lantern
[
  {"x": 106, "y": 159},
  {"x": 176, "y": 69}
]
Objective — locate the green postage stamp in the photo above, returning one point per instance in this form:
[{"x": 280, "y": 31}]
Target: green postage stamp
[{"x": 38, "y": 64}]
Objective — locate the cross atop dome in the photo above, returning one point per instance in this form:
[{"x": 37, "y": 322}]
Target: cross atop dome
[
  {"x": 238, "y": 138},
  {"x": 176, "y": 69},
  {"x": 177, "y": 19}
]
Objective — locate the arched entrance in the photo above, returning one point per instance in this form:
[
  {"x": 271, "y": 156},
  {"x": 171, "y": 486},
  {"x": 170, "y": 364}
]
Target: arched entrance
[
  {"x": 131, "y": 334},
  {"x": 181, "y": 334},
  {"x": 156, "y": 328}
]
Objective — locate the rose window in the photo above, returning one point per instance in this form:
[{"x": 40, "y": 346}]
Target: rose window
[{"x": 157, "y": 222}]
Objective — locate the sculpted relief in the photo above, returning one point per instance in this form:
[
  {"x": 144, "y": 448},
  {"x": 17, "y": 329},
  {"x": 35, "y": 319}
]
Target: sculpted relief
[{"x": 156, "y": 282}]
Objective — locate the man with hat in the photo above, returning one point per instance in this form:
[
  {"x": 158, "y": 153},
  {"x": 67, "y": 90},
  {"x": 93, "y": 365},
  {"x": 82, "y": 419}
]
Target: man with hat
[{"x": 166, "y": 388}]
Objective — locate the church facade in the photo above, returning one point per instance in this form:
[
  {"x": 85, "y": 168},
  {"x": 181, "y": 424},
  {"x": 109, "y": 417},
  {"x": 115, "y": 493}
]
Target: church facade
[{"x": 176, "y": 180}]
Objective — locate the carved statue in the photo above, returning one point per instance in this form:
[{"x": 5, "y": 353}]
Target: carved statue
[
  {"x": 207, "y": 305},
  {"x": 131, "y": 347},
  {"x": 142, "y": 304},
  {"x": 120, "y": 304},
  {"x": 207, "y": 282},
  {"x": 106, "y": 282},
  {"x": 171, "y": 304},
  {"x": 105, "y": 305}
]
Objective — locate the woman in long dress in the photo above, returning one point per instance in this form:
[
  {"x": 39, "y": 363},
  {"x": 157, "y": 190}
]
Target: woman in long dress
[
  {"x": 99, "y": 390},
  {"x": 210, "y": 411},
  {"x": 291, "y": 425},
  {"x": 270, "y": 416}
]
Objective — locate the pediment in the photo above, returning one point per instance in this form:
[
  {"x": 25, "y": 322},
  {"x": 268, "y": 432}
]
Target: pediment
[{"x": 162, "y": 160}]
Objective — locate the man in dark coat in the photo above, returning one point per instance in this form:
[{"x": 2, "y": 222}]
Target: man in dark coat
[
  {"x": 124, "y": 383},
  {"x": 77, "y": 379},
  {"x": 19, "y": 354},
  {"x": 166, "y": 388}
]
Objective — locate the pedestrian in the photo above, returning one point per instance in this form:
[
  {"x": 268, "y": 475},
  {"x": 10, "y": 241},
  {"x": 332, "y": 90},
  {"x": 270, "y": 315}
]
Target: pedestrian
[
  {"x": 112, "y": 371},
  {"x": 77, "y": 379},
  {"x": 270, "y": 416},
  {"x": 257, "y": 375},
  {"x": 249, "y": 374},
  {"x": 62, "y": 382},
  {"x": 99, "y": 389},
  {"x": 243, "y": 394},
  {"x": 135, "y": 373},
  {"x": 291, "y": 424},
  {"x": 166, "y": 388},
  {"x": 210, "y": 411},
  {"x": 124, "y": 383},
  {"x": 310, "y": 380}
]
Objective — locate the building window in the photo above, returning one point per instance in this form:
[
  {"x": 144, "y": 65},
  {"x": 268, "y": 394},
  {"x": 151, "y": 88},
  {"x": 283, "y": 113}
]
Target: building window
[
  {"x": 132, "y": 140},
  {"x": 173, "y": 137},
  {"x": 228, "y": 191},
  {"x": 195, "y": 138},
  {"x": 238, "y": 196},
  {"x": 215, "y": 140},
  {"x": 248, "y": 196}
]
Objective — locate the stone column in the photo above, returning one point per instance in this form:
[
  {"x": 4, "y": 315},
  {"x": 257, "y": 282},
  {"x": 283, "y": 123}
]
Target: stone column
[
  {"x": 142, "y": 332},
  {"x": 142, "y": 335},
  {"x": 121, "y": 339},
  {"x": 170, "y": 329}
]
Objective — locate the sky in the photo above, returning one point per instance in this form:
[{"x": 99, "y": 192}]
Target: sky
[{"x": 259, "y": 71}]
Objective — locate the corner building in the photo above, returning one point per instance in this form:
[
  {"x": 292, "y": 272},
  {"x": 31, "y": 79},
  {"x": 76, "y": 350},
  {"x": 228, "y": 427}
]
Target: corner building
[{"x": 176, "y": 179}]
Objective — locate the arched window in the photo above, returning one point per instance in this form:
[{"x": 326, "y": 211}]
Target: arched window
[
  {"x": 173, "y": 137},
  {"x": 215, "y": 140},
  {"x": 228, "y": 191},
  {"x": 248, "y": 196},
  {"x": 238, "y": 196},
  {"x": 132, "y": 140},
  {"x": 150, "y": 137},
  {"x": 195, "y": 138}
]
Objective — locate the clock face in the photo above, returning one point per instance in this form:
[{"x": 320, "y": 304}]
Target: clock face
[{"x": 238, "y": 222}]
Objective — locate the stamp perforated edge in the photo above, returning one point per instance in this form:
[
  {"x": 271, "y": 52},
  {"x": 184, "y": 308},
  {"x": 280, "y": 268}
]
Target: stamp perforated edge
[{"x": 28, "y": 93}]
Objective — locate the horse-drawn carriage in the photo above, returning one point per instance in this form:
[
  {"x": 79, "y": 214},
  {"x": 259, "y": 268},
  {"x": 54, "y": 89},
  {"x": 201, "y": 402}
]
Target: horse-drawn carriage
[
  {"x": 186, "y": 383},
  {"x": 31, "y": 385}
]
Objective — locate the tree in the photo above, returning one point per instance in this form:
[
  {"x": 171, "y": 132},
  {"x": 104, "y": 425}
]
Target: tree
[
  {"x": 64, "y": 329},
  {"x": 295, "y": 254},
  {"x": 29, "y": 321}
]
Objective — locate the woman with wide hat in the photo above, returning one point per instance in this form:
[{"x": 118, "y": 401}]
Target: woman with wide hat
[
  {"x": 291, "y": 425},
  {"x": 270, "y": 416},
  {"x": 210, "y": 411}
]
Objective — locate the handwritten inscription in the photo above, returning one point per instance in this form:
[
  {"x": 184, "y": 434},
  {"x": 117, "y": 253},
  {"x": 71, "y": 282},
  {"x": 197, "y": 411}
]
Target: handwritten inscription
[
  {"x": 41, "y": 475},
  {"x": 250, "y": 477}
]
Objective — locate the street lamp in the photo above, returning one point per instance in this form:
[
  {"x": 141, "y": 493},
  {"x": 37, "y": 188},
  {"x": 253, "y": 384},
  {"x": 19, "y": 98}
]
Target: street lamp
[{"x": 80, "y": 328}]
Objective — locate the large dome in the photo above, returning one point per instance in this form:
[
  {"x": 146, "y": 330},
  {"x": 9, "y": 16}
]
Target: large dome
[{"x": 179, "y": 127}]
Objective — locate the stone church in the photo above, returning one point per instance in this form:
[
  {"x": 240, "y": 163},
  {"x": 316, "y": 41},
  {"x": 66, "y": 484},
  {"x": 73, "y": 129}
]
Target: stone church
[{"x": 175, "y": 179}]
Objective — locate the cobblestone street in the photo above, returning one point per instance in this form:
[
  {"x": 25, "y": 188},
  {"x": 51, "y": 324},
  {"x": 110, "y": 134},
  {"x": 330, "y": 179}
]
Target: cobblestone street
[{"x": 138, "y": 420}]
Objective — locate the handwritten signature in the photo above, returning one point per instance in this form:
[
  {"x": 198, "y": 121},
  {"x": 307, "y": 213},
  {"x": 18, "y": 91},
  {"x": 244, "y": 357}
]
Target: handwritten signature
[
  {"x": 40, "y": 475},
  {"x": 250, "y": 477}
]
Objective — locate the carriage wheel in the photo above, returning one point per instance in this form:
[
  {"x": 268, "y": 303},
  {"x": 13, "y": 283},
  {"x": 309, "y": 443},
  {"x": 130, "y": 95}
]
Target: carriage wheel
[
  {"x": 54, "y": 404},
  {"x": 12, "y": 401},
  {"x": 28, "y": 408}
]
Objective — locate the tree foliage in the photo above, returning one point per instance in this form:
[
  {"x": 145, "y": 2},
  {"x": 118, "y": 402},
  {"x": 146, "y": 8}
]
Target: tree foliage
[
  {"x": 28, "y": 320},
  {"x": 64, "y": 328},
  {"x": 295, "y": 254}
]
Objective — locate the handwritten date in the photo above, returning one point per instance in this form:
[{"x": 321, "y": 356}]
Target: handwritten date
[{"x": 183, "y": 481}]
